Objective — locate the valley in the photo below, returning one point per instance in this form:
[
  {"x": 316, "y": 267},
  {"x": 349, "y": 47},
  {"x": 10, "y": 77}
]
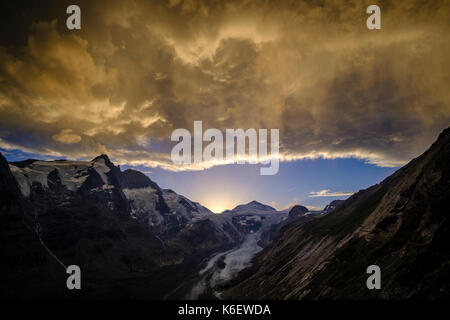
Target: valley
[
  {"x": 135, "y": 240},
  {"x": 124, "y": 231}
]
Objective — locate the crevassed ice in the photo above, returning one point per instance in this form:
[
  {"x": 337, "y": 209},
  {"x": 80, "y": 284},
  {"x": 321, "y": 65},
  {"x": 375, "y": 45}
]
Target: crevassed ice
[{"x": 71, "y": 173}]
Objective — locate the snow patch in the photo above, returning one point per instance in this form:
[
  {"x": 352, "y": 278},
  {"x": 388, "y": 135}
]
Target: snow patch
[
  {"x": 71, "y": 173},
  {"x": 143, "y": 205},
  {"x": 102, "y": 169}
]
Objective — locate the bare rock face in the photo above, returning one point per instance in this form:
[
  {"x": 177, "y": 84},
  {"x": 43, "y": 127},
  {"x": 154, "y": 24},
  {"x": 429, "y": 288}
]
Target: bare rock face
[
  {"x": 401, "y": 225},
  {"x": 332, "y": 206}
]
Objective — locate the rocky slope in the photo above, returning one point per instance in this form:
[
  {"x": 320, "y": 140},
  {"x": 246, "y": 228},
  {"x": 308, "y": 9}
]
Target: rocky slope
[
  {"x": 332, "y": 206},
  {"x": 401, "y": 225}
]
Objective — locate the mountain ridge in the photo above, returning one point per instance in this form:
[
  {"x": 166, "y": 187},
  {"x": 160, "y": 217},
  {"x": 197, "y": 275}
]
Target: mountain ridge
[
  {"x": 252, "y": 206},
  {"x": 119, "y": 227},
  {"x": 400, "y": 224},
  {"x": 124, "y": 231}
]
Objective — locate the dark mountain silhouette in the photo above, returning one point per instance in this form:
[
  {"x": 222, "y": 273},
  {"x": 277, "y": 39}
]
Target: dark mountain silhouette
[
  {"x": 401, "y": 225},
  {"x": 297, "y": 211},
  {"x": 133, "y": 179}
]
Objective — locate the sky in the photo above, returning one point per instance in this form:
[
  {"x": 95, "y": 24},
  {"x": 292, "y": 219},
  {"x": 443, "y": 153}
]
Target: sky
[{"x": 351, "y": 104}]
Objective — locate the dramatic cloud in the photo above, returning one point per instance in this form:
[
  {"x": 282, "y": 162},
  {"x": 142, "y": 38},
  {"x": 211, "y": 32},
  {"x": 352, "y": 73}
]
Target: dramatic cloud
[
  {"x": 327, "y": 193},
  {"x": 137, "y": 70}
]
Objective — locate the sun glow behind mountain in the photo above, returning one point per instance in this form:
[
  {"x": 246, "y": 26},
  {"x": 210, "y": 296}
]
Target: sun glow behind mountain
[{"x": 217, "y": 205}]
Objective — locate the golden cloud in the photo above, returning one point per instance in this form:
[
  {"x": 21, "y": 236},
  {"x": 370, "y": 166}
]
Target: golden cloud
[
  {"x": 135, "y": 72},
  {"x": 66, "y": 136}
]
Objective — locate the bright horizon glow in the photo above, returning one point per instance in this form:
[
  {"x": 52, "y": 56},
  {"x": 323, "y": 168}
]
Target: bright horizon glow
[
  {"x": 216, "y": 206},
  {"x": 224, "y": 187}
]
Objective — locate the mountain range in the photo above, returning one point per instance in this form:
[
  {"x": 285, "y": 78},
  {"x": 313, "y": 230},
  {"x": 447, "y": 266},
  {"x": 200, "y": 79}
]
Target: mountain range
[
  {"x": 130, "y": 237},
  {"x": 400, "y": 225},
  {"x": 133, "y": 239}
]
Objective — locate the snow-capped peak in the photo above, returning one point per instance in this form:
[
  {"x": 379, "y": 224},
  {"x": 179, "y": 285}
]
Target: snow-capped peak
[{"x": 253, "y": 207}]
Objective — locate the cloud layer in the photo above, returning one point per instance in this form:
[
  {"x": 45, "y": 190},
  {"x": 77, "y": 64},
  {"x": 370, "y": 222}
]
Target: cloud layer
[
  {"x": 138, "y": 70},
  {"x": 327, "y": 193}
]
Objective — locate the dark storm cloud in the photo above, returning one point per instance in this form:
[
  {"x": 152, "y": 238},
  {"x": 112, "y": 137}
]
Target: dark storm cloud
[{"x": 137, "y": 70}]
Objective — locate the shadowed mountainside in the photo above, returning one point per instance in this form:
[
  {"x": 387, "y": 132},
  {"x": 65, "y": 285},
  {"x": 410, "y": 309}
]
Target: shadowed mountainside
[{"x": 401, "y": 225}]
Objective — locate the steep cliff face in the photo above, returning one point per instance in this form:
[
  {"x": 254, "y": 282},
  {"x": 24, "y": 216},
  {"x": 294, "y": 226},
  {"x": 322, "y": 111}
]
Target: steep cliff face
[
  {"x": 9, "y": 190},
  {"x": 401, "y": 225}
]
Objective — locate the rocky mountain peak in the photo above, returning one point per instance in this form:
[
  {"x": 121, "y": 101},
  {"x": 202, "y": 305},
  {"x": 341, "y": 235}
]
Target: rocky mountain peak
[
  {"x": 251, "y": 208},
  {"x": 133, "y": 179},
  {"x": 105, "y": 159},
  {"x": 297, "y": 211},
  {"x": 255, "y": 203}
]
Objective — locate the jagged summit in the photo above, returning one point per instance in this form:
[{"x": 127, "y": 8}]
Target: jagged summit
[
  {"x": 133, "y": 179},
  {"x": 102, "y": 156}
]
